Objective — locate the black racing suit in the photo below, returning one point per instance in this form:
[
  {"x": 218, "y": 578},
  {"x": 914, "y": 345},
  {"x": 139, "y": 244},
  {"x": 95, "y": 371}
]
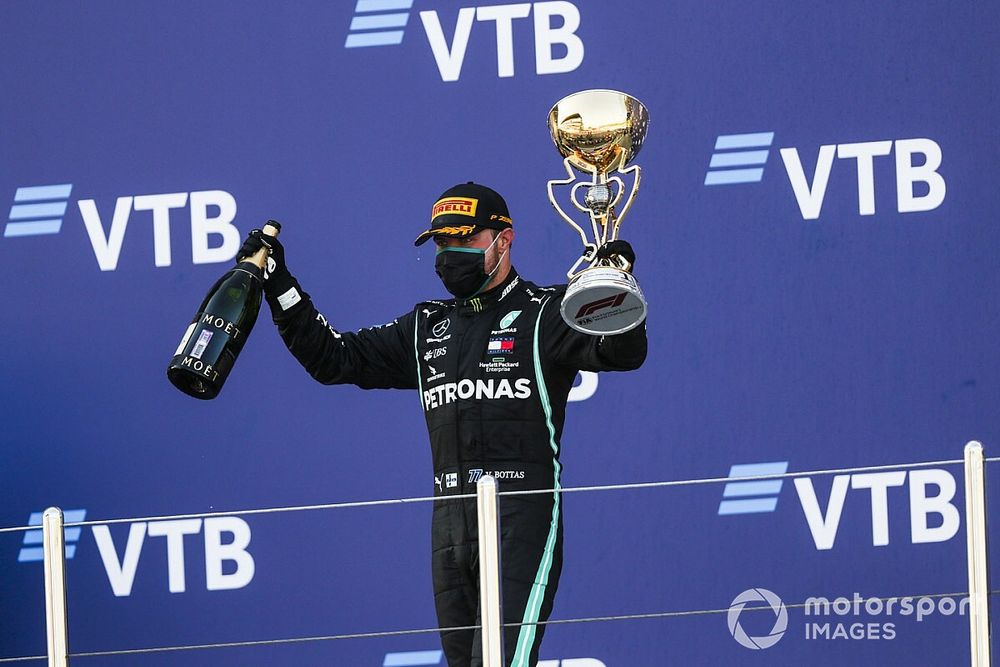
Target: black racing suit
[{"x": 493, "y": 374}]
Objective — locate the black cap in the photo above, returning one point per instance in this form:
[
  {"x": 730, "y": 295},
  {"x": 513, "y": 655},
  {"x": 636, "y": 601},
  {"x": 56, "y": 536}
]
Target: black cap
[{"x": 465, "y": 210}]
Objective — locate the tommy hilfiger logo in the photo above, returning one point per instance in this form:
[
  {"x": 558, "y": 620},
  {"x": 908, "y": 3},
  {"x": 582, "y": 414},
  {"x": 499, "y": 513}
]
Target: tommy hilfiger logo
[{"x": 500, "y": 346}]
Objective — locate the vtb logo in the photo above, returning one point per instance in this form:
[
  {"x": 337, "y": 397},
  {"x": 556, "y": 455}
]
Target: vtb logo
[
  {"x": 930, "y": 492},
  {"x": 39, "y": 210},
  {"x": 383, "y": 23},
  {"x": 740, "y": 158},
  {"x": 229, "y": 565}
]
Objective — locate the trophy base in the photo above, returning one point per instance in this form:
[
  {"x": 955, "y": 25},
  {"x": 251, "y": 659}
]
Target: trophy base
[{"x": 603, "y": 300}]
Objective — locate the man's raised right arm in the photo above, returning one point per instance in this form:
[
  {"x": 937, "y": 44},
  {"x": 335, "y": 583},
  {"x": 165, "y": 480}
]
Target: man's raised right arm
[{"x": 381, "y": 357}]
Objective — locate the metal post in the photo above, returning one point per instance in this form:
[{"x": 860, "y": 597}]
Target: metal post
[
  {"x": 54, "y": 553},
  {"x": 975, "y": 530},
  {"x": 490, "y": 603}
]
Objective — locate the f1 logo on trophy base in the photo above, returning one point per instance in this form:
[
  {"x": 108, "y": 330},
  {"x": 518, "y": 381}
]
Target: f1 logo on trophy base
[{"x": 599, "y": 132}]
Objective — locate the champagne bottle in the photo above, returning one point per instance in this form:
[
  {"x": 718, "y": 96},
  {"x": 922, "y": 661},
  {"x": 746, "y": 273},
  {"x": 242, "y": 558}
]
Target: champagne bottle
[{"x": 219, "y": 330}]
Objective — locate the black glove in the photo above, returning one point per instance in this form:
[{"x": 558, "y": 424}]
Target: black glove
[
  {"x": 256, "y": 240},
  {"x": 282, "y": 291},
  {"x": 621, "y": 248}
]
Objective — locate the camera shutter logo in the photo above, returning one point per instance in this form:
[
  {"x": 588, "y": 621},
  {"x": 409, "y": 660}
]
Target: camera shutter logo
[{"x": 780, "y": 618}]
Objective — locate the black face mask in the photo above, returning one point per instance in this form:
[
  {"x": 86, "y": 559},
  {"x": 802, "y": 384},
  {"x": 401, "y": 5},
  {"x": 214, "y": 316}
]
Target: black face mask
[{"x": 463, "y": 270}]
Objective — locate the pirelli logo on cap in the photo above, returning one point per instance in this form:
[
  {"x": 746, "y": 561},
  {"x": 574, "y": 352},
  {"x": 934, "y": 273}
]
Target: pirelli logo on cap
[{"x": 455, "y": 206}]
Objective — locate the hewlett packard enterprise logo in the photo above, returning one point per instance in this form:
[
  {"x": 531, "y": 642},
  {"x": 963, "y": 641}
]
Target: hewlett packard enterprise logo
[{"x": 557, "y": 47}]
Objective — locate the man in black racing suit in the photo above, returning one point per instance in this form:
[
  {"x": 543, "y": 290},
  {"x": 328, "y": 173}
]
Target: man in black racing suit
[{"x": 492, "y": 369}]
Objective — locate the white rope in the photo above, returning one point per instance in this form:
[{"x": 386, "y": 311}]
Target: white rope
[
  {"x": 265, "y": 510},
  {"x": 259, "y": 642},
  {"x": 425, "y": 499},
  {"x": 700, "y": 612},
  {"x": 717, "y": 480},
  {"x": 394, "y": 633}
]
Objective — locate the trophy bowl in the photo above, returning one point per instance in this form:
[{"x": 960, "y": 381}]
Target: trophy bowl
[{"x": 598, "y": 130}]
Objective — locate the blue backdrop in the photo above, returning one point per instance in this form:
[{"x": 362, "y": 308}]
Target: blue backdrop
[{"x": 816, "y": 236}]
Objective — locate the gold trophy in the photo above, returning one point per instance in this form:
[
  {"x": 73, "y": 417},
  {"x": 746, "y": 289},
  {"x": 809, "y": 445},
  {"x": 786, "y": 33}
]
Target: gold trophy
[{"x": 599, "y": 132}]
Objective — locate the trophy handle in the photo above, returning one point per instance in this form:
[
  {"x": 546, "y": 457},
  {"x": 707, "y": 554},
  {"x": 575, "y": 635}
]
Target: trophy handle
[
  {"x": 628, "y": 202},
  {"x": 590, "y": 255},
  {"x": 590, "y": 249}
]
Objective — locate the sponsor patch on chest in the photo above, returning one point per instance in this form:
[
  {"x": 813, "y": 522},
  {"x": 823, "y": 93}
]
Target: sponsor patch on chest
[
  {"x": 500, "y": 345},
  {"x": 478, "y": 390},
  {"x": 499, "y": 365}
]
